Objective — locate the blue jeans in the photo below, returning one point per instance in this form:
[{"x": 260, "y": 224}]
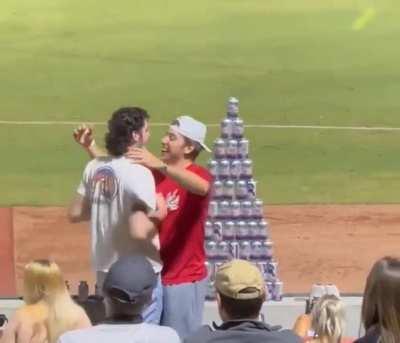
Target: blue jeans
[
  {"x": 183, "y": 307},
  {"x": 152, "y": 313}
]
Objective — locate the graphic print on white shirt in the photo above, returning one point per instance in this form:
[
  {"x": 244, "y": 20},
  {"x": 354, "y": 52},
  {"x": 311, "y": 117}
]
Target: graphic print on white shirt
[
  {"x": 172, "y": 200},
  {"x": 104, "y": 185}
]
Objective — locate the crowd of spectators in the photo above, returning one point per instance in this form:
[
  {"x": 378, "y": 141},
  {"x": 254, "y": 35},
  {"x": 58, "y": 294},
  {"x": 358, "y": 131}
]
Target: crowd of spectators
[{"x": 49, "y": 314}]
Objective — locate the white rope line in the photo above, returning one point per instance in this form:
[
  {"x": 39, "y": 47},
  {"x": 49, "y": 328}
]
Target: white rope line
[
  {"x": 262, "y": 126},
  {"x": 158, "y": 124}
]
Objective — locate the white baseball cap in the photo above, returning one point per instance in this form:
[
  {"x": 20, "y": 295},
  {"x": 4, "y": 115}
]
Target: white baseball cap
[{"x": 192, "y": 129}]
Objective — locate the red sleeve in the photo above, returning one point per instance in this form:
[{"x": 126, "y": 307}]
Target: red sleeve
[{"x": 202, "y": 172}]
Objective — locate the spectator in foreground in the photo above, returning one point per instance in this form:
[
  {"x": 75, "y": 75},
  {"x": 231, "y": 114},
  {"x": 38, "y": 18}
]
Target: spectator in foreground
[
  {"x": 240, "y": 294},
  {"x": 49, "y": 310},
  {"x": 328, "y": 321},
  {"x": 381, "y": 303},
  {"x": 127, "y": 289}
]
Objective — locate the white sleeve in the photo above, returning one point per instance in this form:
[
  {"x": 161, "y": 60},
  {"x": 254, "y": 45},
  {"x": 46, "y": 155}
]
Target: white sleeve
[
  {"x": 142, "y": 186},
  {"x": 83, "y": 188}
]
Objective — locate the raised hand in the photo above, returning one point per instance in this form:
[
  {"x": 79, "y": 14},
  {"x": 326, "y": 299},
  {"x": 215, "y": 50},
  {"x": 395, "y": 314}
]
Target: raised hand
[
  {"x": 144, "y": 157},
  {"x": 83, "y": 135}
]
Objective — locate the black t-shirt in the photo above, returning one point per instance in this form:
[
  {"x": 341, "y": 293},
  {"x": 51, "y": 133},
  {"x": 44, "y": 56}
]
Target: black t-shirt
[{"x": 372, "y": 336}]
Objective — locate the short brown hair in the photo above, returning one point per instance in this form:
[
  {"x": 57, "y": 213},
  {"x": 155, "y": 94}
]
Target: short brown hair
[
  {"x": 197, "y": 148},
  {"x": 241, "y": 308}
]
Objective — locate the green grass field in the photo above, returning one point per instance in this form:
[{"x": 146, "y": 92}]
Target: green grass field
[{"x": 289, "y": 62}]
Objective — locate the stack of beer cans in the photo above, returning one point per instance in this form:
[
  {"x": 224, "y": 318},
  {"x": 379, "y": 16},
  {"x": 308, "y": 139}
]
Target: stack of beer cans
[{"x": 236, "y": 227}]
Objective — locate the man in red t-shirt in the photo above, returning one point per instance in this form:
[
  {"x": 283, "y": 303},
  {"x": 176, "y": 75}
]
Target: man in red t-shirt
[{"x": 185, "y": 187}]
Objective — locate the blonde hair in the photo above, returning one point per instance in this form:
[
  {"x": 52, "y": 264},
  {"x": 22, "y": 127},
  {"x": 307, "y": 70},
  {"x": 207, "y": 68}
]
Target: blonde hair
[
  {"x": 328, "y": 318},
  {"x": 43, "y": 281}
]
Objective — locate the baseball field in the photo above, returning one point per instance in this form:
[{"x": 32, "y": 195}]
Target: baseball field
[{"x": 318, "y": 84}]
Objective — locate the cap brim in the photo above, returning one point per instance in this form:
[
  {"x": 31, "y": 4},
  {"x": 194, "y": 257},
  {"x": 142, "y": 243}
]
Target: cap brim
[
  {"x": 181, "y": 132},
  {"x": 205, "y": 147}
]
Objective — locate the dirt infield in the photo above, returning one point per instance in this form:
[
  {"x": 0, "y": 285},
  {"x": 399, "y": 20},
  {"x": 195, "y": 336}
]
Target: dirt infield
[
  {"x": 322, "y": 243},
  {"x": 7, "y": 280}
]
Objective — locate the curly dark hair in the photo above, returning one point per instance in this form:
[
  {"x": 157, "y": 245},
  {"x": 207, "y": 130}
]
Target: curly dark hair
[{"x": 123, "y": 122}]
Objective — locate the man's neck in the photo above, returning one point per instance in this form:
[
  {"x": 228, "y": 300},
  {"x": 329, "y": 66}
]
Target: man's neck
[{"x": 124, "y": 319}]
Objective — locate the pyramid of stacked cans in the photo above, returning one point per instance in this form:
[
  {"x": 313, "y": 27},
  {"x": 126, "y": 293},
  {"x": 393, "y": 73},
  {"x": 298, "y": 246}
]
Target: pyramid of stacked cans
[{"x": 236, "y": 227}]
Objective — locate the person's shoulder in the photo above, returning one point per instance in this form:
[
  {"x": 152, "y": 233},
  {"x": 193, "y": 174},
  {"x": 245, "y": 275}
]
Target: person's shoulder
[
  {"x": 201, "y": 335},
  {"x": 79, "y": 335},
  {"x": 135, "y": 168},
  {"x": 200, "y": 170},
  {"x": 160, "y": 333},
  {"x": 288, "y": 336},
  {"x": 96, "y": 162},
  {"x": 33, "y": 312}
]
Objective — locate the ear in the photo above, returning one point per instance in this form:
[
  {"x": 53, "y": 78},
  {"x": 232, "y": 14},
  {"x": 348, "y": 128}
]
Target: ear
[
  {"x": 188, "y": 148},
  {"x": 135, "y": 137}
]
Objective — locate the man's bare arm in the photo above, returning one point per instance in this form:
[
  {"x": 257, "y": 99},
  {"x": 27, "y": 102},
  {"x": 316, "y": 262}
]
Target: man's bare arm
[
  {"x": 79, "y": 210},
  {"x": 187, "y": 179}
]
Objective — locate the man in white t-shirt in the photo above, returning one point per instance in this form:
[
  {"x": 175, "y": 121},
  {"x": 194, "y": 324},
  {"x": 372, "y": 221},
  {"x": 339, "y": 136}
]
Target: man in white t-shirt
[
  {"x": 118, "y": 198},
  {"x": 127, "y": 290}
]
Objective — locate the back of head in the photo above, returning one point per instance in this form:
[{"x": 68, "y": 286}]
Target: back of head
[
  {"x": 328, "y": 318},
  {"x": 241, "y": 290},
  {"x": 128, "y": 286},
  {"x": 123, "y": 123},
  {"x": 43, "y": 281},
  {"x": 381, "y": 302}
]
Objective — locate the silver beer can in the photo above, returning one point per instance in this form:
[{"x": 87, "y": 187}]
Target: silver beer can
[
  {"x": 223, "y": 251},
  {"x": 227, "y": 128},
  {"x": 229, "y": 230},
  {"x": 210, "y": 270},
  {"x": 237, "y": 128},
  {"x": 277, "y": 291},
  {"x": 224, "y": 209},
  {"x": 262, "y": 229},
  {"x": 236, "y": 169},
  {"x": 269, "y": 287},
  {"x": 232, "y": 148},
  {"x": 258, "y": 207},
  {"x": 256, "y": 250},
  {"x": 247, "y": 169},
  {"x": 213, "y": 167},
  {"x": 218, "y": 189},
  {"x": 219, "y": 148},
  {"x": 224, "y": 169},
  {"x": 246, "y": 208},
  {"x": 251, "y": 189},
  {"x": 241, "y": 189},
  {"x": 210, "y": 291},
  {"x": 271, "y": 271},
  {"x": 218, "y": 265},
  {"x": 236, "y": 210},
  {"x": 211, "y": 250},
  {"x": 208, "y": 229},
  {"x": 217, "y": 231},
  {"x": 234, "y": 250},
  {"x": 268, "y": 250},
  {"x": 213, "y": 209},
  {"x": 243, "y": 148},
  {"x": 253, "y": 229},
  {"x": 244, "y": 250},
  {"x": 242, "y": 231},
  {"x": 229, "y": 189},
  {"x": 233, "y": 107}
]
